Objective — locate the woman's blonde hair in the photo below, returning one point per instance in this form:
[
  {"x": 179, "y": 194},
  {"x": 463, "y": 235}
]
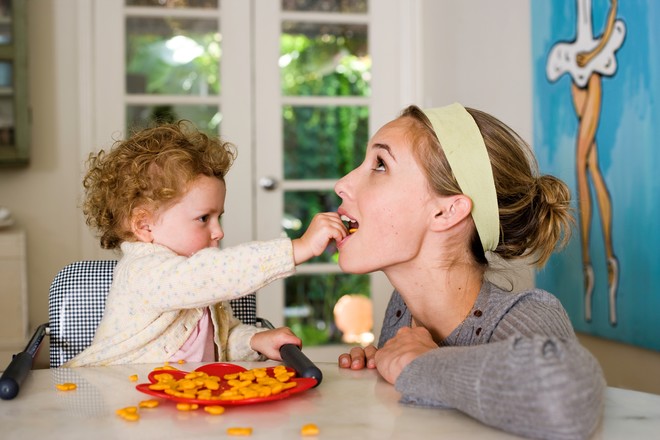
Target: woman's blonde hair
[
  {"x": 150, "y": 169},
  {"x": 535, "y": 210}
]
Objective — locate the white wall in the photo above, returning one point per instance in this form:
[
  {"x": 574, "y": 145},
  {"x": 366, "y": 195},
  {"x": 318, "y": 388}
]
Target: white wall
[{"x": 478, "y": 52}]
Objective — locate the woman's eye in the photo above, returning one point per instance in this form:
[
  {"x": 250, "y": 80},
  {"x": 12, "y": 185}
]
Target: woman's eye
[{"x": 380, "y": 165}]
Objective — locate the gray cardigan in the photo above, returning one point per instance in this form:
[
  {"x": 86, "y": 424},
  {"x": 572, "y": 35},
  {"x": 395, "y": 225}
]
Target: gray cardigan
[{"x": 514, "y": 363}]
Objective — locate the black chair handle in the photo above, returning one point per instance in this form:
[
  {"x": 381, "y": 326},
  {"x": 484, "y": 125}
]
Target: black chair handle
[
  {"x": 293, "y": 357},
  {"x": 20, "y": 365}
]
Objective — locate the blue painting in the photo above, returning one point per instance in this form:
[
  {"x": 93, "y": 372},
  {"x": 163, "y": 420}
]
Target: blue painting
[{"x": 596, "y": 82}]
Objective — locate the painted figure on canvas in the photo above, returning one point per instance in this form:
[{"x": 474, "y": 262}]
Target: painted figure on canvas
[{"x": 587, "y": 59}]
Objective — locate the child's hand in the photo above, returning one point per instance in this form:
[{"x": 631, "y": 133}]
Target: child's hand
[
  {"x": 269, "y": 342},
  {"x": 324, "y": 227}
]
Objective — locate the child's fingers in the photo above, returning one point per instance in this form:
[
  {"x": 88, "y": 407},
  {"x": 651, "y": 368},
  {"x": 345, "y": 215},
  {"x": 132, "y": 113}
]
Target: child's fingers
[{"x": 329, "y": 222}]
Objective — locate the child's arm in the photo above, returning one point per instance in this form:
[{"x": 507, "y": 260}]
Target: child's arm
[
  {"x": 269, "y": 342},
  {"x": 324, "y": 227}
]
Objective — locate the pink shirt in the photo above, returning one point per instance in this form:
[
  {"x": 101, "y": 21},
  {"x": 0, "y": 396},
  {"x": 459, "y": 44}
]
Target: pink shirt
[{"x": 199, "y": 347}]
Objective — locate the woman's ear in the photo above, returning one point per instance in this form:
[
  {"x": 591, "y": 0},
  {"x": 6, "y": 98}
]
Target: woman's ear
[
  {"x": 450, "y": 211},
  {"x": 141, "y": 222}
]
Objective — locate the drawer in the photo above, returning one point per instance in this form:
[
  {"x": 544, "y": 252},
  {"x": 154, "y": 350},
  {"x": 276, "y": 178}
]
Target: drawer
[{"x": 12, "y": 244}]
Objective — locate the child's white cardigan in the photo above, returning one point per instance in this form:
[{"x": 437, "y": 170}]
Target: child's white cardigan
[{"x": 157, "y": 299}]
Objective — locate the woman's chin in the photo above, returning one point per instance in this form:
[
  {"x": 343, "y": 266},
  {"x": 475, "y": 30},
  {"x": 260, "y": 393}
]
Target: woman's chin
[{"x": 348, "y": 265}]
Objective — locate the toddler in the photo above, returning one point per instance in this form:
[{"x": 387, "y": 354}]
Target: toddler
[{"x": 159, "y": 197}]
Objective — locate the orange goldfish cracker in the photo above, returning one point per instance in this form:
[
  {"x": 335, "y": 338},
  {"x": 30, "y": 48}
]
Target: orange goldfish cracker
[
  {"x": 131, "y": 417},
  {"x": 212, "y": 384},
  {"x": 247, "y": 393},
  {"x": 350, "y": 231},
  {"x": 239, "y": 431},
  {"x": 231, "y": 376},
  {"x": 186, "y": 406},
  {"x": 163, "y": 377},
  {"x": 309, "y": 429},
  {"x": 283, "y": 377},
  {"x": 67, "y": 386},
  {"x": 151, "y": 403},
  {"x": 133, "y": 377},
  {"x": 246, "y": 375},
  {"x": 129, "y": 413},
  {"x": 186, "y": 384},
  {"x": 259, "y": 372},
  {"x": 164, "y": 367},
  {"x": 215, "y": 410}
]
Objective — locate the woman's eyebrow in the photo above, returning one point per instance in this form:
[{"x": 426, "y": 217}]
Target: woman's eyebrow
[{"x": 384, "y": 147}]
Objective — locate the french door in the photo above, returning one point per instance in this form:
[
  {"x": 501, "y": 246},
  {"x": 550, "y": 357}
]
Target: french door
[{"x": 297, "y": 86}]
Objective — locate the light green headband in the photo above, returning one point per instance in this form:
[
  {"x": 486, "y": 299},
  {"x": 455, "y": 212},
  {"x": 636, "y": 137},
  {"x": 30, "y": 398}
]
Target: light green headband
[{"x": 465, "y": 149}]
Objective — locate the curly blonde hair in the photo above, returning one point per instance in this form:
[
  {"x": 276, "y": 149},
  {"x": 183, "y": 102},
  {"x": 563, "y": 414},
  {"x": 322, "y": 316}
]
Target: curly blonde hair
[
  {"x": 151, "y": 169},
  {"x": 535, "y": 210}
]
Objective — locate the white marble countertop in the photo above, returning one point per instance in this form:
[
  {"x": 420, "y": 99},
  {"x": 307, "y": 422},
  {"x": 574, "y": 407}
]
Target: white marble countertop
[{"x": 347, "y": 405}]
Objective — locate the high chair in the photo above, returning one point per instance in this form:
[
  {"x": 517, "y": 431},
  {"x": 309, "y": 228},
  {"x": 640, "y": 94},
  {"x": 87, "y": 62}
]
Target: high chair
[{"x": 76, "y": 301}]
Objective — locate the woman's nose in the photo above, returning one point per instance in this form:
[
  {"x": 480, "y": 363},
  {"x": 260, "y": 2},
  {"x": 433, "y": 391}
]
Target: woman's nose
[{"x": 342, "y": 187}]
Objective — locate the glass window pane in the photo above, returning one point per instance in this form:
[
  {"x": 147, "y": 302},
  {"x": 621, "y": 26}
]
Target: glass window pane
[
  {"x": 323, "y": 142},
  {"x": 207, "y": 4},
  {"x": 173, "y": 56},
  {"x": 6, "y": 77},
  {"x": 345, "y": 6},
  {"x": 310, "y": 301},
  {"x": 300, "y": 207},
  {"x": 5, "y": 22},
  {"x": 206, "y": 118},
  {"x": 320, "y": 59},
  {"x": 6, "y": 120}
]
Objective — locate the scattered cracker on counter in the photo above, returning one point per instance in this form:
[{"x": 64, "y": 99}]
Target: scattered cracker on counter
[
  {"x": 182, "y": 406},
  {"x": 309, "y": 430},
  {"x": 239, "y": 431},
  {"x": 129, "y": 413},
  {"x": 151, "y": 403},
  {"x": 67, "y": 386},
  {"x": 216, "y": 410}
]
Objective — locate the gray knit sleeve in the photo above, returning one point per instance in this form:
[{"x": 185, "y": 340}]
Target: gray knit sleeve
[{"x": 531, "y": 378}]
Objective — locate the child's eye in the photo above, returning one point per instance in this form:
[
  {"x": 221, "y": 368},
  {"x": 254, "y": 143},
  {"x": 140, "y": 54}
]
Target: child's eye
[
  {"x": 380, "y": 165},
  {"x": 204, "y": 218}
]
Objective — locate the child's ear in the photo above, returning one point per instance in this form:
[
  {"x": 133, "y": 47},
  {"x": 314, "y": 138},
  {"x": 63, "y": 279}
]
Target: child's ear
[
  {"x": 141, "y": 222},
  {"x": 451, "y": 210}
]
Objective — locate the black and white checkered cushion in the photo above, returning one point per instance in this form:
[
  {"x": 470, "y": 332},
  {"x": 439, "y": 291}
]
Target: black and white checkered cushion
[{"x": 77, "y": 300}]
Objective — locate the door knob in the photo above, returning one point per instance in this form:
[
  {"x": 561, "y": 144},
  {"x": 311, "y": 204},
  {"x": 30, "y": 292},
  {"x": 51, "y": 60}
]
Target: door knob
[{"x": 268, "y": 183}]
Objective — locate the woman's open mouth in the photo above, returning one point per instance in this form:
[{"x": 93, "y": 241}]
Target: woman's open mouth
[{"x": 351, "y": 224}]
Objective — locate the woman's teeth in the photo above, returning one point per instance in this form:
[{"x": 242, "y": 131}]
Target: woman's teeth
[{"x": 352, "y": 224}]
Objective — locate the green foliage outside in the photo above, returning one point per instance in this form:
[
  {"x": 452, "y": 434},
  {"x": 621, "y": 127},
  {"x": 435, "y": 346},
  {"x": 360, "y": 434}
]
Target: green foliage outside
[{"x": 324, "y": 142}]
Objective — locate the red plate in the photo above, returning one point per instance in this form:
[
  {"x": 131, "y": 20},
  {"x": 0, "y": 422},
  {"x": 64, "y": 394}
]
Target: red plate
[{"x": 220, "y": 369}]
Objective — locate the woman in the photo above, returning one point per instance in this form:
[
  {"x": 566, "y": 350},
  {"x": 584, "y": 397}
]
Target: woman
[{"x": 438, "y": 191}]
